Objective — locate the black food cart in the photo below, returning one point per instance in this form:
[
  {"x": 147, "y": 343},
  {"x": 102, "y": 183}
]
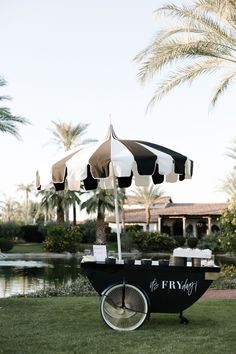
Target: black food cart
[{"x": 129, "y": 293}]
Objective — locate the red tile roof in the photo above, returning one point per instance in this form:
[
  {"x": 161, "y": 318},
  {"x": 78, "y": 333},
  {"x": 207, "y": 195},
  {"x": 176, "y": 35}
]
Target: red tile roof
[{"x": 174, "y": 209}]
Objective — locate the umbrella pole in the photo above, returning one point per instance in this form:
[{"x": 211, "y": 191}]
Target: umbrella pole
[{"x": 117, "y": 219}]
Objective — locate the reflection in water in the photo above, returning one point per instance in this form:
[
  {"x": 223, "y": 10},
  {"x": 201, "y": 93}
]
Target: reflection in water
[{"x": 25, "y": 276}]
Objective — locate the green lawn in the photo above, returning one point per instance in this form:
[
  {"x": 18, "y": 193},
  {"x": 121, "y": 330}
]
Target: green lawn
[
  {"x": 73, "y": 325},
  {"x": 27, "y": 248},
  {"x": 38, "y": 247}
]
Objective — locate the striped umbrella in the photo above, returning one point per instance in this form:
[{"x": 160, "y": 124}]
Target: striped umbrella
[{"x": 103, "y": 163}]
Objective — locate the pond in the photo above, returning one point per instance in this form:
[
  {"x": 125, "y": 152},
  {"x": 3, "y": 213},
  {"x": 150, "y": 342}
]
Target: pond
[{"x": 22, "y": 276}]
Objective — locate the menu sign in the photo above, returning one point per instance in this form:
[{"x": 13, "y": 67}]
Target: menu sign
[{"x": 100, "y": 252}]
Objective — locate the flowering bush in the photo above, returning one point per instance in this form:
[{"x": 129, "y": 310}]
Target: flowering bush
[
  {"x": 227, "y": 236},
  {"x": 61, "y": 238},
  {"x": 227, "y": 279},
  {"x": 80, "y": 287}
]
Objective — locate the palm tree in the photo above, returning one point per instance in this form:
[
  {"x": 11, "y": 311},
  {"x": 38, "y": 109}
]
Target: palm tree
[
  {"x": 147, "y": 196},
  {"x": 67, "y": 135},
  {"x": 99, "y": 202},
  {"x": 27, "y": 189},
  {"x": 60, "y": 201},
  {"x": 202, "y": 41},
  {"x": 9, "y": 122},
  {"x": 11, "y": 209},
  {"x": 229, "y": 185}
]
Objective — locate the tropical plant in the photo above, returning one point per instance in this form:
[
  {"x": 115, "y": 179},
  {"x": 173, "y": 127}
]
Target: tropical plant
[
  {"x": 67, "y": 135},
  {"x": 99, "y": 202},
  {"x": 8, "y": 122},
  {"x": 229, "y": 185},
  {"x": 11, "y": 210},
  {"x": 147, "y": 196},
  {"x": 59, "y": 200},
  {"x": 202, "y": 41},
  {"x": 27, "y": 189}
]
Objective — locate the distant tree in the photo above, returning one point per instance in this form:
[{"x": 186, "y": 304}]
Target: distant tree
[
  {"x": 10, "y": 209},
  {"x": 147, "y": 196},
  {"x": 67, "y": 135},
  {"x": 27, "y": 189},
  {"x": 8, "y": 122},
  {"x": 60, "y": 201},
  {"x": 100, "y": 201},
  {"x": 229, "y": 185}
]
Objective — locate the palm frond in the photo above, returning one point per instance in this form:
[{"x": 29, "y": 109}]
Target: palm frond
[
  {"x": 8, "y": 122},
  {"x": 229, "y": 185},
  {"x": 160, "y": 38},
  {"x": 174, "y": 50},
  {"x": 201, "y": 22},
  {"x": 223, "y": 85},
  {"x": 186, "y": 74},
  {"x": 204, "y": 30},
  {"x": 225, "y": 10},
  {"x": 67, "y": 134},
  {"x": 2, "y": 81}
]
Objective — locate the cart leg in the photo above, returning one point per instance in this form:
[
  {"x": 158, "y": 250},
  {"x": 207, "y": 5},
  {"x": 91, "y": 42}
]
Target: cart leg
[{"x": 183, "y": 320}]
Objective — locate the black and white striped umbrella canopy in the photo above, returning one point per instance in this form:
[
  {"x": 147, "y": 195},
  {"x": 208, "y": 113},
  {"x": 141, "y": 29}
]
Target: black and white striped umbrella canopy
[{"x": 103, "y": 162}]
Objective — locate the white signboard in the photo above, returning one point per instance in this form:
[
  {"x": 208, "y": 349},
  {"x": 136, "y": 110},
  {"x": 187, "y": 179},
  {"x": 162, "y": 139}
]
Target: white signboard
[{"x": 100, "y": 252}]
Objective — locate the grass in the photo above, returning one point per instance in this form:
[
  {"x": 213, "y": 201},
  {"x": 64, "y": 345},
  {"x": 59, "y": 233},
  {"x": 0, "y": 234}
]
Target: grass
[
  {"x": 38, "y": 247},
  {"x": 73, "y": 326},
  {"x": 27, "y": 248}
]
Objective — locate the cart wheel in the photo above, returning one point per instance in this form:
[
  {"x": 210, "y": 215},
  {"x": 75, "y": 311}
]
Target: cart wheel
[{"x": 123, "y": 307}]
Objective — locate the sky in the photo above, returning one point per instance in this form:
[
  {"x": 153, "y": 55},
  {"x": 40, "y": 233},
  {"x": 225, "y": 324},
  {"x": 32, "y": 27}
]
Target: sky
[{"x": 72, "y": 60}]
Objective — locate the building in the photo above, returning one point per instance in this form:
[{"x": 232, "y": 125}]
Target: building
[{"x": 197, "y": 219}]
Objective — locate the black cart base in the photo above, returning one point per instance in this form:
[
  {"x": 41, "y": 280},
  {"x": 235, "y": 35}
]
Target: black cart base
[{"x": 129, "y": 293}]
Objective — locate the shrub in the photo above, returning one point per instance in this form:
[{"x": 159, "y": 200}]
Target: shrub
[
  {"x": 112, "y": 237},
  {"x": 227, "y": 279},
  {"x": 135, "y": 227},
  {"x": 210, "y": 241},
  {"x": 192, "y": 242},
  {"x": 9, "y": 230},
  {"x": 88, "y": 231},
  {"x": 127, "y": 241},
  {"x": 5, "y": 244},
  {"x": 179, "y": 240},
  {"x": 32, "y": 233},
  {"x": 153, "y": 241},
  {"x": 62, "y": 238}
]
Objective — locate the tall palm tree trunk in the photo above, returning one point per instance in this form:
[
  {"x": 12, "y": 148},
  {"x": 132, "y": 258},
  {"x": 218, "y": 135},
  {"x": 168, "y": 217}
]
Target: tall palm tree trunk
[
  {"x": 60, "y": 214},
  {"x": 74, "y": 213},
  {"x": 100, "y": 226}
]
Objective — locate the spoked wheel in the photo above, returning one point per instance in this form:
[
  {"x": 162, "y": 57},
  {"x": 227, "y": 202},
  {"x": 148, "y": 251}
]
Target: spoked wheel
[{"x": 124, "y": 307}]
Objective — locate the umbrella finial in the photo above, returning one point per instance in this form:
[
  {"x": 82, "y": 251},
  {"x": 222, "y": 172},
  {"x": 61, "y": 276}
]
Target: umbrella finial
[{"x": 110, "y": 133}]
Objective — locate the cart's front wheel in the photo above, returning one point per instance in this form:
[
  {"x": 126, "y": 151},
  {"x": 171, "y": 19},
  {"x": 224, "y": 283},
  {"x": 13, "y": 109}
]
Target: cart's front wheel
[{"x": 123, "y": 307}]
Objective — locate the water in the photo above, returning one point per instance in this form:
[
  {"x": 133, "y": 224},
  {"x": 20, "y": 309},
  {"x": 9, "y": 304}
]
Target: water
[{"x": 23, "y": 276}]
